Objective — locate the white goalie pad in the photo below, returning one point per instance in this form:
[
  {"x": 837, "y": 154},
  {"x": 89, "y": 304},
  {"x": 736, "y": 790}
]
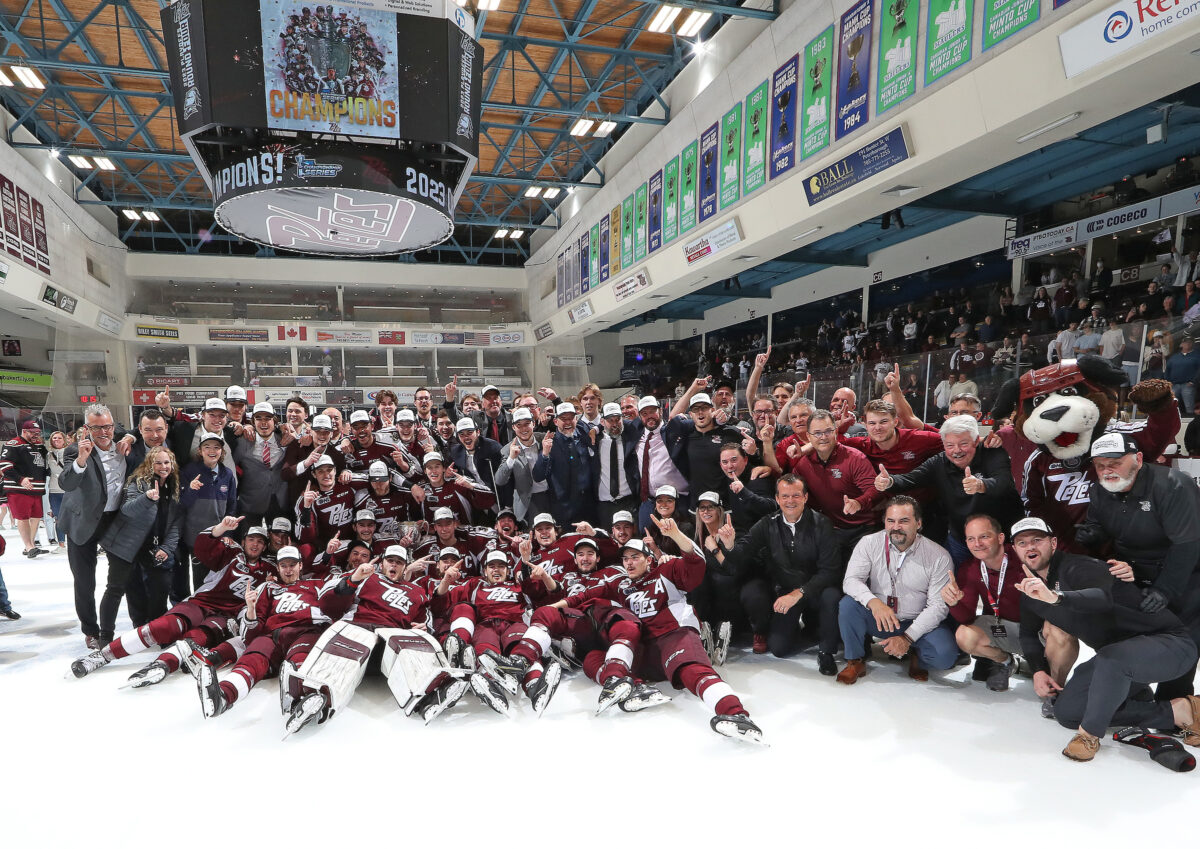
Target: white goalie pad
[
  {"x": 336, "y": 665},
  {"x": 414, "y": 664}
]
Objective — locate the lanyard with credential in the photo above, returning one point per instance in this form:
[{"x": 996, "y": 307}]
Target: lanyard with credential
[
  {"x": 993, "y": 602},
  {"x": 893, "y": 600}
]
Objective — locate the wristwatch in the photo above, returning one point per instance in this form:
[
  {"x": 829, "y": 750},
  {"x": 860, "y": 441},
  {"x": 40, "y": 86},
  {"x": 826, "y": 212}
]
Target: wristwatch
[{"x": 1059, "y": 594}]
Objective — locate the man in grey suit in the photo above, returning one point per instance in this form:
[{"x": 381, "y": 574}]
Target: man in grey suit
[
  {"x": 529, "y": 497},
  {"x": 262, "y": 491},
  {"x": 92, "y": 479}
]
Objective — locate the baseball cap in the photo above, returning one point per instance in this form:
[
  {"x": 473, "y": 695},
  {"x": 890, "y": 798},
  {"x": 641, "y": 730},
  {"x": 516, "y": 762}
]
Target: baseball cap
[
  {"x": 506, "y": 511},
  {"x": 587, "y": 541},
  {"x": 212, "y": 437},
  {"x": 451, "y": 551},
  {"x": 489, "y": 388},
  {"x": 432, "y": 457},
  {"x": 1030, "y": 524},
  {"x": 365, "y": 516},
  {"x": 360, "y": 416},
  {"x": 668, "y": 490},
  {"x": 622, "y": 516},
  {"x": 710, "y": 497},
  {"x": 542, "y": 519},
  {"x": 636, "y": 545},
  {"x": 322, "y": 422},
  {"x": 1114, "y": 445},
  {"x": 521, "y": 414},
  {"x": 281, "y": 524},
  {"x": 496, "y": 557},
  {"x": 264, "y": 407},
  {"x": 396, "y": 551},
  {"x": 700, "y": 398},
  {"x": 406, "y": 415},
  {"x": 378, "y": 471},
  {"x": 443, "y": 513},
  {"x": 288, "y": 552},
  {"x": 258, "y": 530},
  {"x": 214, "y": 404},
  {"x": 566, "y": 408},
  {"x": 30, "y": 424},
  {"x": 646, "y": 402},
  {"x": 610, "y": 409},
  {"x": 324, "y": 460},
  {"x": 235, "y": 393},
  {"x": 465, "y": 423}
]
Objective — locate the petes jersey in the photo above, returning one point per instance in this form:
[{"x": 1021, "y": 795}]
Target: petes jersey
[
  {"x": 577, "y": 583},
  {"x": 282, "y": 605},
  {"x": 390, "y": 510},
  {"x": 224, "y": 587},
  {"x": 473, "y": 542},
  {"x": 659, "y": 597},
  {"x": 360, "y": 459},
  {"x": 332, "y": 512},
  {"x": 381, "y": 603},
  {"x": 912, "y": 448},
  {"x": 559, "y": 558},
  {"x": 324, "y": 565},
  {"x": 507, "y": 601},
  {"x": 464, "y": 496}
]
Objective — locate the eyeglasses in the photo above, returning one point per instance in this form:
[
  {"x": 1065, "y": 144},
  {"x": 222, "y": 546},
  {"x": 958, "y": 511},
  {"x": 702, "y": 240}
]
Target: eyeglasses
[
  {"x": 821, "y": 434},
  {"x": 100, "y": 428}
]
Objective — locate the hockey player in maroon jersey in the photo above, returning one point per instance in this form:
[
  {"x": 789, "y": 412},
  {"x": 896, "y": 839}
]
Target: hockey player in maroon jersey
[
  {"x": 281, "y": 622},
  {"x": 473, "y": 543},
  {"x": 299, "y": 458},
  {"x": 555, "y": 553},
  {"x": 579, "y": 629},
  {"x": 365, "y": 447},
  {"x": 502, "y": 608},
  {"x": 204, "y": 617},
  {"x": 412, "y": 440},
  {"x": 447, "y": 488},
  {"x": 670, "y": 644},
  {"x": 381, "y": 490},
  {"x": 323, "y": 510},
  {"x": 332, "y": 561}
]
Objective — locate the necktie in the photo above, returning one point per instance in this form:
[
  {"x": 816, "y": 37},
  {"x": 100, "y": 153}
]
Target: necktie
[
  {"x": 614, "y": 482},
  {"x": 644, "y": 490},
  {"x": 266, "y": 454},
  {"x": 496, "y": 429}
]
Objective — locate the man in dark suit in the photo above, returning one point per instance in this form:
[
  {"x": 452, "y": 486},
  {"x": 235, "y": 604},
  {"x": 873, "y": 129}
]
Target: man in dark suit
[
  {"x": 615, "y": 464},
  {"x": 153, "y": 428},
  {"x": 262, "y": 491},
  {"x": 493, "y": 421},
  {"x": 790, "y": 566},
  {"x": 565, "y": 462},
  {"x": 92, "y": 479},
  {"x": 477, "y": 456}
]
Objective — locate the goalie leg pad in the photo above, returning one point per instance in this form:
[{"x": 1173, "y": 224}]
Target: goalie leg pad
[
  {"x": 337, "y": 663},
  {"x": 415, "y": 665}
]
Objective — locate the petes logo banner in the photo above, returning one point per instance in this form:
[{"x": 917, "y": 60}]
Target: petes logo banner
[{"x": 1120, "y": 27}]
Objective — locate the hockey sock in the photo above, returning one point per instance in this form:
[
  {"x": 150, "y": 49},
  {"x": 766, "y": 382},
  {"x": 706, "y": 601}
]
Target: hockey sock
[
  {"x": 131, "y": 642},
  {"x": 1163, "y": 749},
  {"x": 618, "y": 660},
  {"x": 592, "y": 664},
  {"x": 534, "y": 643},
  {"x": 164, "y": 630},
  {"x": 251, "y": 669},
  {"x": 702, "y": 681},
  {"x": 230, "y": 650},
  {"x": 534, "y": 673},
  {"x": 462, "y": 622},
  {"x": 170, "y": 657}
]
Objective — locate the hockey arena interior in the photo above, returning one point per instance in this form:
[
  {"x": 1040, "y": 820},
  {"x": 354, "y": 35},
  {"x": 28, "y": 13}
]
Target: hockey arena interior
[{"x": 737, "y": 411}]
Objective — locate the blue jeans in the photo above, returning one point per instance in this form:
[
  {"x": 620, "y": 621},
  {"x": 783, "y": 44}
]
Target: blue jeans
[
  {"x": 1185, "y": 393},
  {"x": 4, "y": 603},
  {"x": 935, "y": 650},
  {"x": 51, "y": 502}
]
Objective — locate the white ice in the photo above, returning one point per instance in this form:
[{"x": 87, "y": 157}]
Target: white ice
[{"x": 887, "y": 762}]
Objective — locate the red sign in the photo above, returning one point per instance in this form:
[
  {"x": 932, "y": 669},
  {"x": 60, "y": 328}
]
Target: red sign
[
  {"x": 143, "y": 397},
  {"x": 25, "y": 215},
  {"x": 291, "y": 333},
  {"x": 12, "y": 229},
  {"x": 391, "y": 337}
]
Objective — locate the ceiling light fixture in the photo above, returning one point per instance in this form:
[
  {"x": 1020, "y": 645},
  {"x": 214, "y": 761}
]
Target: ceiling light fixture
[
  {"x": 27, "y": 77},
  {"x": 1053, "y": 125},
  {"x": 501, "y": 233},
  {"x": 694, "y": 23},
  {"x": 808, "y": 232},
  {"x": 4, "y": 79},
  {"x": 105, "y": 164},
  {"x": 79, "y": 161},
  {"x": 582, "y": 127},
  {"x": 489, "y": 5},
  {"x": 533, "y": 191},
  {"x": 131, "y": 214},
  {"x": 516, "y": 234},
  {"x": 551, "y": 193},
  {"x": 665, "y": 17},
  {"x": 151, "y": 216},
  {"x": 605, "y": 129}
]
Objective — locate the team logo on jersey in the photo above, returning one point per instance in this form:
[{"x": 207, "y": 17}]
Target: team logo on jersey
[
  {"x": 339, "y": 515},
  {"x": 908, "y": 455},
  {"x": 398, "y": 599},
  {"x": 287, "y": 602},
  {"x": 836, "y": 473},
  {"x": 643, "y": 604},
  {"x": 500, "y": 595}
]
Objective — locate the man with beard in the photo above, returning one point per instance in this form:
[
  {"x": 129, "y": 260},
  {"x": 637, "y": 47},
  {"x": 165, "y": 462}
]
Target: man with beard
[
  {"x": 464, "y": 496},
  {"x": 23, "y": 467},
  {"x": 299, "y": 459}
]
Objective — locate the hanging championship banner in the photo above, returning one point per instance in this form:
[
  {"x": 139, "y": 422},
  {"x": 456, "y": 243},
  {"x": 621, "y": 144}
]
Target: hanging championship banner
[
  {"x": 640, "y": 200},
  {"x": 708, "y": 171},
  {"x": 594, "y": 254},
  {"x": 783, "y": 117},
  {"x": 898, "y": 39},
  {"x": 627, "y": 234},
  {"x": 818, "y": 81},
  {"x": 605, "y": 241},
  {"x": 731, "y": 156},
  {"x": 1002, "y": 18},
  {"x": 614, "y": 259},
  {"x": 948, "y": 36},
  {"x": 560, "y": 279},
  {"x": 656, "y": 196},
  {"x": 585, "y": 263},
  {"x": 671, "y": 200},
  {"x": 754, "y": 144},
  {"x": 854, "y": 46},
  {"x": 687, "y": 191}
]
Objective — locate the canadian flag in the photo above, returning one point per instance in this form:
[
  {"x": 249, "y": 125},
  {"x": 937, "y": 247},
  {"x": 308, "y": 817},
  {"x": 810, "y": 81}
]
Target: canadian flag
[{"x": 292, "y": 333}]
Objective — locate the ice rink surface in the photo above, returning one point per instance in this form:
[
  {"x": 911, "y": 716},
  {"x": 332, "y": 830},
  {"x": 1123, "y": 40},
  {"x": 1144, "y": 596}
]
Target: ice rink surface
[{"x": 885, "y": 763}]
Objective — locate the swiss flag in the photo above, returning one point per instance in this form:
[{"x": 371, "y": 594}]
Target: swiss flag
[
  {"x": 291, "y": 333},
  {"x": 143, "y": 396}
]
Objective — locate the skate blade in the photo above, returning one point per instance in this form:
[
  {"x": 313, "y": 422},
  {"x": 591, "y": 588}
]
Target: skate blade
[
  {"x": 622, "y": 692},
  {"x": 633, "y": 705},
  {"x": 730, "y": 730},
  {"x": 554, "y": 672}
]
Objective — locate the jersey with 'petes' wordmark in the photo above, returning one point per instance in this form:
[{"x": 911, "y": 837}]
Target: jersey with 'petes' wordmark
[
  {"x": 381, "y": 603},
  {"x": 659, "y": 597},
  {"x": 224, "y": 588}
]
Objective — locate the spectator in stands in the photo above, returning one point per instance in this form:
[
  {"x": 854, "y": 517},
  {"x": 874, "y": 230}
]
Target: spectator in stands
[
  {"x": 1041, "y": 311},
  {"x": 1188, "y": 268},
  {"x": 1182, "y": 370},
  {"x": 963, "y": 386},
  {"x": 1166, "y": 276},
  {"x": 944, "y": 391}
]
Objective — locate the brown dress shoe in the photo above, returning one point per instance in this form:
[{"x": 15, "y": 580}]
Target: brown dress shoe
[
  {"x": 852, "y": 671},
  {"x": 1191, "y": 732},
  {"x": 1083, "y": 747},
  {"x": 915, "y": 671}
]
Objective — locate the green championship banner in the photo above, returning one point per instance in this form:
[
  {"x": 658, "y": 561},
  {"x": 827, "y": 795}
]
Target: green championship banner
[
  {"x": 670, "y": 200},
  {"x": 754, "y": 147},
  {"x": 594, "y": 256},
  {"x": 687, "y": 189},
  {"x": 1002, "y": 18},
  {"x": 898, "y": 40},
  {"x": 627, "y": 233},
  {"x": 817, "y": 83},
  {"x": 641, "y": 197},
  {"x": 731, "y": 156},
  {"x": 948, "y": 36}
]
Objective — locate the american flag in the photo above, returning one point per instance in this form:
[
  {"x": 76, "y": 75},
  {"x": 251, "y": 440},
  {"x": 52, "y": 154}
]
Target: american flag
[{"x": 479, "y": 339}]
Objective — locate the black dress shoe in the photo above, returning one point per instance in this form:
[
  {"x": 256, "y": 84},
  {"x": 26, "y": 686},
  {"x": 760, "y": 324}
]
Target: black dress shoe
[
  {"x": 983, "y": 668},
  {"x": 10, "y": 614},
  {"x": 825, "y": 664},
  {"x": 93, "y": 643}
]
